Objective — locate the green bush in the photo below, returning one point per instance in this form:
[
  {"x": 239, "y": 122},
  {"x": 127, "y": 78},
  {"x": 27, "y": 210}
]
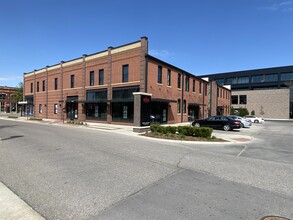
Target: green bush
[
  {"x": 12, "y": 116},
  {"x": 183, "y": 131},
  {"x": 155, "y": 128},
  {"x": 252, "y": 112}
]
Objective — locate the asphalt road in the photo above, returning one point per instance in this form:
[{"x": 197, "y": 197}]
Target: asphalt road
[{"x": 76, "y": 173}]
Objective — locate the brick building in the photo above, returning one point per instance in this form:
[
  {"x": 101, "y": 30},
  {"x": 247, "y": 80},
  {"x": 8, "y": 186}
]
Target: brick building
[
  {"x": 7, "y": 102},
  {"x": 122, "y": 85}
]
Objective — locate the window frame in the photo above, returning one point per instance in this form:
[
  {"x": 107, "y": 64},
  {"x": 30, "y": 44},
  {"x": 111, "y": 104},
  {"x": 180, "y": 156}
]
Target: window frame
[
  {"x": 101, "y": 76},
  {"x": 92, "y": 78},
  {"x": 125, "y": 73},
  {"x": 72, "y": 77},
  {"x": 160, "y": 75}
]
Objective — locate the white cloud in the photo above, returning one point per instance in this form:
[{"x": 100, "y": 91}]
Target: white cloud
[
  {"x": 160, "y": 53},
  {"x": 284, "y": 6}
]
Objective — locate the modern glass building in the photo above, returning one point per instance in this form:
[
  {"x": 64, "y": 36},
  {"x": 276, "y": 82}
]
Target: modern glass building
[{"x": 268, "y": 81}]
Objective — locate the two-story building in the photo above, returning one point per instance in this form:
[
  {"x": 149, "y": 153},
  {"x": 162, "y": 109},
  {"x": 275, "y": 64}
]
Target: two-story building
[{"x": 122, "y": 85}]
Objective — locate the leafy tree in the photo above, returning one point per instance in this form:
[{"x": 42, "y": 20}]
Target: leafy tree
[
  {"x": 243, "y": 112},
  {"x": 18, "y": 95},
  {"x": 233, "y": 111},
  {"x": 252, "y": 112}
]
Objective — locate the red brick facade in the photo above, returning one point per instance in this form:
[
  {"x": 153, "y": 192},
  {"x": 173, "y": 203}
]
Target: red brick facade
[
  {"x": 7, "y": 102},
  {"x": 103, "y": 83}
]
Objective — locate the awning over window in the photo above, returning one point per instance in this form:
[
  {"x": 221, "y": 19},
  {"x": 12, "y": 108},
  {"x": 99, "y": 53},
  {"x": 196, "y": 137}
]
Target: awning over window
[
  {"x": 196, "y": 104},
  {"x": 162, "y": 100}
]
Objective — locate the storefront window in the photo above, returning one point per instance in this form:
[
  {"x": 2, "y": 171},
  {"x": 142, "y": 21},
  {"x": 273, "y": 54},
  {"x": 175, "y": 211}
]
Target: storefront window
[
  {"x": 122, "y": 111},
  {"x": 96, "y": 111}
]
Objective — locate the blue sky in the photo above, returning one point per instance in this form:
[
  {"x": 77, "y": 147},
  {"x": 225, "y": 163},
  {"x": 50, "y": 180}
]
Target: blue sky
[{"x": 199, "y": 36}]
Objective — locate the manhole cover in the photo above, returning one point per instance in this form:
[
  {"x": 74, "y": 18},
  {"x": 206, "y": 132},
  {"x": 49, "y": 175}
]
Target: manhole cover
[{"x": 274, "y": 218}]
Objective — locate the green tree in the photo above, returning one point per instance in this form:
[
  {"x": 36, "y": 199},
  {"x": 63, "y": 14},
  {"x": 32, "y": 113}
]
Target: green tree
[
  {"x": 243, "y": 112},
  {"x": 252, "y": 112},
  {"x": 233, "y": 111},
  {"x": 18, "y": 95}
]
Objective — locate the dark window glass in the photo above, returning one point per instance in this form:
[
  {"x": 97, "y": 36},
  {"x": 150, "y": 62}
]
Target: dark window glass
[
  {"x": 200, "y": 87},
  {"x": 205, "y": 89},
  {"x": 38, "y": 86},
  {"x": 184, "y": 106},
  {"x": 122, "y": 111},
  {"x": 168, "y": 77},
  {"x": 56, "y": 83},
  {"x": 124, "y": 93},
  {"x": 242, "y": 99},
  {"x": 40, "y": 108},
  {"x": 243, "y": 79},
  {"x": 178, "y": 105},
  {"x": 44, "y": 85},
  {"x": 286, "y": 76},
  {"x": 32, "y": 88},
  {"x": 92, "y": 78},
  {"x": 220, "y": 81},
  {"x": 2, "y": 96},
  {"x": 257, "y": 79},
  {"x": 96, "y": 111},
  {"x": 160, "y": 69},
  {"x": 125, "y": 73},
  {"x": 234, "y": 99},
  {"x": 72, "y": 81},
  {"x": 231, "y": 80},
  {"x": 101, "y": 77},
  {"x": 92, "y": 95},
  {"x": 271, "y": 78},
  {"x": 193, "y": 85},
  {"x": 187, "y": 83},
  {"x": 179, "y": 81}
]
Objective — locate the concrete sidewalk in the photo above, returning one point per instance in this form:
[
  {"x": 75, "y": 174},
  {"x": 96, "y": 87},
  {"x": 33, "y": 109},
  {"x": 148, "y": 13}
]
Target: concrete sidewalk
[{"x": 13, "y": 208}]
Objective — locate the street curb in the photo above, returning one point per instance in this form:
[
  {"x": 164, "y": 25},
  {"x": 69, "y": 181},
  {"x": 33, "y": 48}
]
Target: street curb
[{"x": 14, "y": 208}]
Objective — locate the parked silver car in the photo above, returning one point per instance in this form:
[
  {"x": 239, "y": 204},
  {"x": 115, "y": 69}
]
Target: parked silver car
[{"x": 244, "y": 121}]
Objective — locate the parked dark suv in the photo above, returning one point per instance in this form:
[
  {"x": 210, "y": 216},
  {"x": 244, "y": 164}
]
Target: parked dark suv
[{"x": 218, "y": 122}]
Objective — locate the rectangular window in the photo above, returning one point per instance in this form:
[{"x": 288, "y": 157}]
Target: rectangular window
[
  {"x": 179, "y": 81},
  {"x": 220, "y": 81},
  {"x": 218, "y": 92},
  {"x": 205, "y": 89},
  {"x": 32, "y": 88},
  {"x": 286, "y": 76},
  {"x": 72, "y": 81},
  {"x": 38, "y": 86},
  {"x": 199, "y": 87},
  {"x": 243, "y": 79},
  {"x": 178, "y": 105},
  {"x": 257, "y": 79},
  {"x": 234, "y": 99},
  {"x": 187, "y": 83},
  {"x": 231, "y": 81},
  {"x": 271, "y": 78},
  {"x": 44, "y": 85},
  {"x": 160, "y": 69},
  {"x": 55, "y": 108},
  {"x": 92, "y": 78},
  {"x": 184, "y": 106},
  {"x": 125, "y": 73},
  {"x": 168, "y": 77},
  {"x": 56, "y": 83},
  {"x": 101, "y": 77},
  {"x": 193, "y": 85},
  {"x": 242, "y": 99},
  {"x": 40, "y": 108},
  {"x": 3, "y": 96}
]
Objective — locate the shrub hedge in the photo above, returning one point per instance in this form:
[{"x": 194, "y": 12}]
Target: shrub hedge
[{"x": 183, "y": 130}]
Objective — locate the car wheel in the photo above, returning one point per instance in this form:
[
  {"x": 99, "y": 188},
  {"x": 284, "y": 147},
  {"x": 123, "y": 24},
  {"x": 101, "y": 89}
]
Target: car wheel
[
  {"x": 227, "y": 128},
  {"x": 256, "y": 121},
  {"x": 242, "y": 125},
  {"x": 197, "y": 125}
]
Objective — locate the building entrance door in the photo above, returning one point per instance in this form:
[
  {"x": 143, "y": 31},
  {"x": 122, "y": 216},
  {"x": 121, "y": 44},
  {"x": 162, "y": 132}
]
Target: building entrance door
[
  {"x": 72, "y": 107},
  {"x": 159, "y": 112}
]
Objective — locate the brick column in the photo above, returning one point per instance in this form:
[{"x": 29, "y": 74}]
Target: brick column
[
  {"x": 109, "y": 86},
  {"x": 143, "y": 64},
  {"x": 137, "y": 111}
]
